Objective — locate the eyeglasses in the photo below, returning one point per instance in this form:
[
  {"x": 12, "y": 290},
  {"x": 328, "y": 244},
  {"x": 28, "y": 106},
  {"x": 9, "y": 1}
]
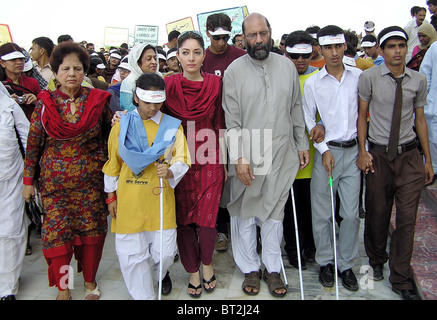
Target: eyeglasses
[
  {"x": 296, "y": 56},
  {"x": 224, "y": 38},
  {"x": 263, "y": 34}
]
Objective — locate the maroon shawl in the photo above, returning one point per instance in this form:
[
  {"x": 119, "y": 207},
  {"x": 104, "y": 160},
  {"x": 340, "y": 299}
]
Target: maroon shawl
[{"x": 185, "y": 101}]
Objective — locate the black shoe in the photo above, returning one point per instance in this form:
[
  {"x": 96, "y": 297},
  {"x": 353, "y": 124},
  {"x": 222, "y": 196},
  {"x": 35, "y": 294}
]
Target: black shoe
[
  {"x": 9, "y": 297},
  {"x": 407, "y": 294},
  {"x": 377, "y": 274},
  {"x": 166, "y": 284},
  {"x": 326, "y": 276},
  {"x": 362, "y": 213},
  {"x": 309, "y": 255},
  {"x": 349, "y": 280},
  {"x": 295, "y": 262}
]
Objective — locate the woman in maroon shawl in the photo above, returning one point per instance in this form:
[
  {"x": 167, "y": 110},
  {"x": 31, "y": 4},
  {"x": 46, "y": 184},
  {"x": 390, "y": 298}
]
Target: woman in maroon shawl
[
  {"x": 67, "y": 142},
  {"x": 195, "y": 98}
]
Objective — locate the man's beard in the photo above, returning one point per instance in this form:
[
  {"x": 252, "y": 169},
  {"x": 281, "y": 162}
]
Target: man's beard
[{"x": 259, "y": 51}]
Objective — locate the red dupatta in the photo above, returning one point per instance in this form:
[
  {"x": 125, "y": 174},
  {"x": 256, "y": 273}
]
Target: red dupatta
[
  {"x": 60, "y": 130},
  {"x": 184, "y": 100}
]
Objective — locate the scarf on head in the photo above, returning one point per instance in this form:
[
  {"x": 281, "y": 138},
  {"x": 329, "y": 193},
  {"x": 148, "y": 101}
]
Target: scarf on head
[
  {"x": 428, "y": 29},
  {"x": 191, "y": 100},
  {"x": 133, "y": 145},
  {"x": 60, "y": 130}
]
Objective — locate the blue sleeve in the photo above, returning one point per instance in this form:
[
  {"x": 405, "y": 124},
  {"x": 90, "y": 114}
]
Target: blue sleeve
[{"x": 126, "y": 101}]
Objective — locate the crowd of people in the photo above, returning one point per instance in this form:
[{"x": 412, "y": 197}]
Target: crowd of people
[{"x": 192, "y": 149}]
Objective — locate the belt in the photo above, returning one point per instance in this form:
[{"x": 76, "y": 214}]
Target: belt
[
  {"x": 401, "y": 149},
  {"x": 344, "y": 144}
]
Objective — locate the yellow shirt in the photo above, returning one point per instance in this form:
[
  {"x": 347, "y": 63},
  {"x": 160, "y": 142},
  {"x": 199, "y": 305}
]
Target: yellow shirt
[
  {"x": 138, "y": 196},
  {"x": 306, "y": 173}
]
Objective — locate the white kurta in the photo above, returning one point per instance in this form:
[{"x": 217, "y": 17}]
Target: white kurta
[
  {"x": 262, "y": 104},
  {"x": 13, "y": 221},
  {"x": 429, "y": 68}
]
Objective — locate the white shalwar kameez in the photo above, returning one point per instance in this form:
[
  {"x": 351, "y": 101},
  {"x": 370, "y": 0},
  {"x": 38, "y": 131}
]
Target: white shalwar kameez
[{"x": 13, "y": 221}]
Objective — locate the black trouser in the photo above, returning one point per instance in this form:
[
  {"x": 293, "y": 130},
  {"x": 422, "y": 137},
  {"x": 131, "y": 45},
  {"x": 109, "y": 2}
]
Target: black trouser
[{"x": 301, "y": 188}]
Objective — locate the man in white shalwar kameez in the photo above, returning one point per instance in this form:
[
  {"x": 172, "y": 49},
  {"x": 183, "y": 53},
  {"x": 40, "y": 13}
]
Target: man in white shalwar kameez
[
  {"x": 429, "y": 68},
  {"x": 13, "y": 220},
  {"x": 267, "y": 145}
]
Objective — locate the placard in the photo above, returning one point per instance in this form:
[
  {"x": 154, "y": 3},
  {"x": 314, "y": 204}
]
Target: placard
[
  {"x": 146, "y": 34},
  {"x": 236, "y": 14}
]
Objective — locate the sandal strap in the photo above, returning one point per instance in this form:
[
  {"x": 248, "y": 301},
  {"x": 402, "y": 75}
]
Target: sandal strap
[
  {"x": 274, "y": 281},
  {"x": 95, "y": 292}
]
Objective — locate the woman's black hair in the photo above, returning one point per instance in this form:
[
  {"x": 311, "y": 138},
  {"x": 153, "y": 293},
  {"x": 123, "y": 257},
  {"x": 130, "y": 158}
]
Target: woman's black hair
[{"x": 190, "y": 35}]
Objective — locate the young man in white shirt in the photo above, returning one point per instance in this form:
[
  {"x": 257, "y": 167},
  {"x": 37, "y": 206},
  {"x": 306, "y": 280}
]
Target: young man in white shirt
[{"x": 333, "y": 93}]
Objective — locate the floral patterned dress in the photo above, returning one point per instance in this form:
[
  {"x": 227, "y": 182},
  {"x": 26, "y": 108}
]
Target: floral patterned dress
[{"x": 70, "y": 178}]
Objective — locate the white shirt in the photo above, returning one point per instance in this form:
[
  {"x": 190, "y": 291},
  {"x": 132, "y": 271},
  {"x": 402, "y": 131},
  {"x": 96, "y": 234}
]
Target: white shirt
[
  {"x": 178, "y": 168},
  {"x": 336, "y": 102}
]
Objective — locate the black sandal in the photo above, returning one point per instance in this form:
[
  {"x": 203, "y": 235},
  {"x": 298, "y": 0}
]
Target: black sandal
[
  {"x": 208, "y": 283},
  {"x": 194, "y": 295}
]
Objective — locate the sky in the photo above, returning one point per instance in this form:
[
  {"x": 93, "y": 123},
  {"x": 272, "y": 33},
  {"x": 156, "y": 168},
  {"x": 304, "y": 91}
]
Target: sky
[{"x": 87, "y": 19}]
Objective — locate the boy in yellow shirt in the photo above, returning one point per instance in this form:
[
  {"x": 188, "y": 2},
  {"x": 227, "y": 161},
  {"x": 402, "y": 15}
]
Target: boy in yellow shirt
[{"x": 139, "y": 147}]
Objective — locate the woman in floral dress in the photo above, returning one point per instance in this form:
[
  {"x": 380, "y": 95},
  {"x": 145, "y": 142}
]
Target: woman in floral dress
[{"x": 65, "y": 153}]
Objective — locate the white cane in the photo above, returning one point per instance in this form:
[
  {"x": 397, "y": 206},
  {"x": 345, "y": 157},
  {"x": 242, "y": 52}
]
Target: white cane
[
  {"x": 298, "y": 245},
  {"x": 160, "y": 235},
  {"x": 334, "y": 237}
]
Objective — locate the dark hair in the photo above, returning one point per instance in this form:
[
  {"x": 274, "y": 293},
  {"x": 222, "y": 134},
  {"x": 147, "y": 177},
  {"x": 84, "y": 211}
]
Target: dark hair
[
  {"x": 65, "y": 49},
  {"x": 45, "y": 43},
  {"x": 161, "y": 51},
  {"x": 94, "y": 61},
  {"x": 173, "y": 35},
  {"x": 312, "y": 29},
  {"x": 299, "y": 36},
  {"x": 351, "y": 37},
  {"x": 433, "y": 2},
  {"x": 413, "y": 10},
  {"x": 350, "y": 50},
  {"x": 234, "y": 39},
  {"x": 330, "y": 30},
  {"x": 5, "y": 49},
  {"x": 217, "y": 20},
  {"x": 171, "y": 50},
  {"x": 190, "y": 35},
  {"x": 64, "y": 38},
  {"x": 149, "y": 81},
  {"x": 388, "y": 30},
  {"x": 124, "y": 45},
  {"x": 370, "y": 38}
]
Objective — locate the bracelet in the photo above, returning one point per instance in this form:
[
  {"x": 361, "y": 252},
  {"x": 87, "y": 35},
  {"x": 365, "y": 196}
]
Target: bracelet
[{"x": 109, "y": 200}]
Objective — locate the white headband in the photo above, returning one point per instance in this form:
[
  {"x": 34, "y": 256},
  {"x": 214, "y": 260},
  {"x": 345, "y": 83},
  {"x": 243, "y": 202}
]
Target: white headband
[
  {"x": 314, "y": 35},
  {"x": 115, "y": 55},
  {"x": 327, "y": 40},
  {"x": 368, "y": 44},
  {"x": 161, "y": 56},
  {"x": 392, "y": 34},
  {"x": 219, "y": 31},
  {"x": 150, "y": 96},
  {"x": 300, "y": 48},
  {"x": 349, "y": 61},
  {"x": 171, "y": 55}
]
